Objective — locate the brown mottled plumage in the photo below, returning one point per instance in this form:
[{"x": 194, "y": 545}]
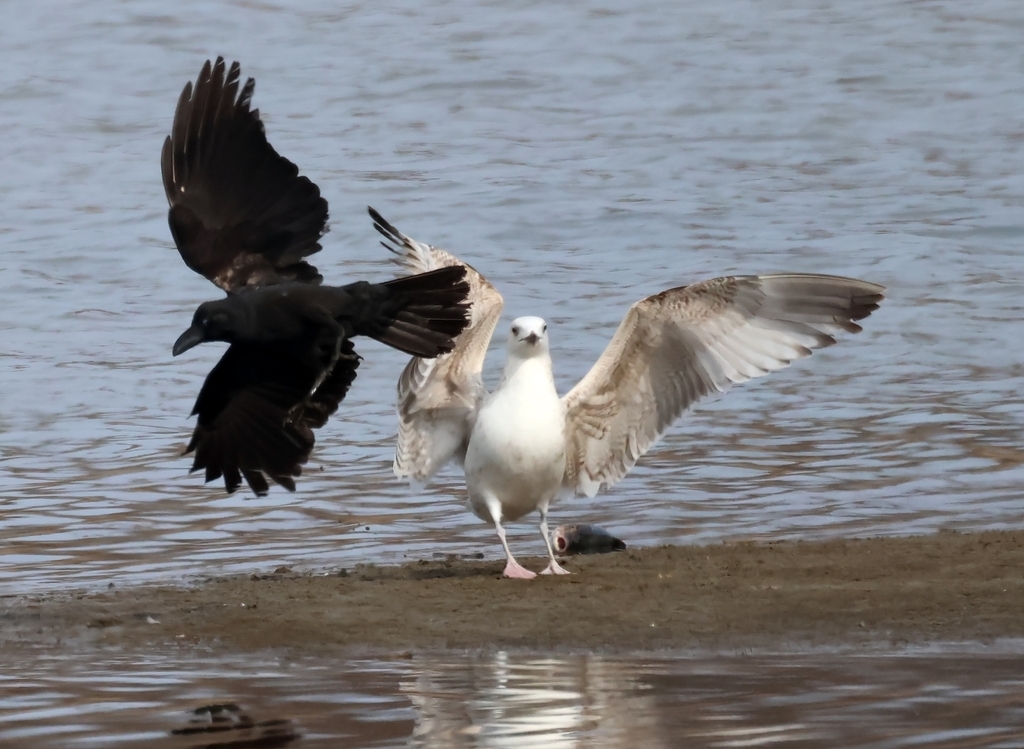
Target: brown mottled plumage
[{"x": 671, "y": 350}]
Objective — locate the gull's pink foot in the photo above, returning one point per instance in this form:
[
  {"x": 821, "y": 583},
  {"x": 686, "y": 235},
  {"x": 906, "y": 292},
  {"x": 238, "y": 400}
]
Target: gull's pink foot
[
  {"x": 518, "y": 571},
  {"x": 554, "y": 568}
]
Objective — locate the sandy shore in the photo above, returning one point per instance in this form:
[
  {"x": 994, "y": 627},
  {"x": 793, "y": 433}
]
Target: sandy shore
[{"x": 943, "y": 587}]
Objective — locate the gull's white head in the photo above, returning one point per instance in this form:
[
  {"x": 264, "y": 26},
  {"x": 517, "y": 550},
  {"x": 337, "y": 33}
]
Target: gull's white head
[{"x": 528, "y": 338}]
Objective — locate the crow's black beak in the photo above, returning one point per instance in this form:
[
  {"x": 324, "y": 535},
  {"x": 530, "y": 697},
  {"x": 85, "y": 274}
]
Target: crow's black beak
[
  {"x": 532, "y": 338},
  {"x": 188, "y": 339}
]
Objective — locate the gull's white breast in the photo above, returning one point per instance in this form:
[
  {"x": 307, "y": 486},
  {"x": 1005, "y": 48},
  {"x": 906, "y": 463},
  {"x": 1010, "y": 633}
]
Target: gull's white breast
[{"x": 517, "y": 448}]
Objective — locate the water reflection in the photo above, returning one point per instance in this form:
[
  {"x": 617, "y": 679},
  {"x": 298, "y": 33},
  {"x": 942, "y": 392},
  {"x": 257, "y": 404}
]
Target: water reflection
[
  {"x": 937, "y": 698},
  {"x": 812, "y": 700},
  {"x": 514, "y": 701}
]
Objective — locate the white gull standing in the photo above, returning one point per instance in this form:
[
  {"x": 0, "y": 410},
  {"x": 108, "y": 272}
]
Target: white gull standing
[{"x": 522, "y": 445}]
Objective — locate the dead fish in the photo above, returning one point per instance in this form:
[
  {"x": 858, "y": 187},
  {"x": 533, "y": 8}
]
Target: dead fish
[{"x": 584, "y": 539}]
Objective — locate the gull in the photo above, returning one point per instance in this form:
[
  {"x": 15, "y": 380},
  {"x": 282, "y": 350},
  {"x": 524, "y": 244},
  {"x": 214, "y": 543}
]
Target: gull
[
  {"x": 241, "y": 216},
  {"x": 522, "y": 445}
]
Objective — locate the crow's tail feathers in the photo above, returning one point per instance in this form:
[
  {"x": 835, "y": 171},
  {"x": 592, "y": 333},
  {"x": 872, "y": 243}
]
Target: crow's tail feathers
[{"x": 426, "y": 312}]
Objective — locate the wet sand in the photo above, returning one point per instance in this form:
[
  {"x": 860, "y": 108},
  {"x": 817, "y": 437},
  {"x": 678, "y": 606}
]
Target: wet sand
[{"x": 946, "y": 587}]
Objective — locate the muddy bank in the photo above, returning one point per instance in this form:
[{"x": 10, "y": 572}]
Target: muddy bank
[{"x": 944, "y": 587}]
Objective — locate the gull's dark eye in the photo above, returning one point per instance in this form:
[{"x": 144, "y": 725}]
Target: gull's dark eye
[
  {"x": 544, "y": 329},
  {"x": 515, "y": 330}
]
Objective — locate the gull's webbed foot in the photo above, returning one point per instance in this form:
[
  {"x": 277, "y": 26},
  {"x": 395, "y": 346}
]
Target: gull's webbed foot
[
  {"x": 554, "y": 568},
  {"x": 515, "y": 570}
]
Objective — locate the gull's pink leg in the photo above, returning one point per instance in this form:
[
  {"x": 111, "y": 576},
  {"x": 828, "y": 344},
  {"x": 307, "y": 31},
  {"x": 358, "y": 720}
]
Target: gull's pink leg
[
  {"x": 512, "y": 567},
  {"x": 553, "y": 568}
]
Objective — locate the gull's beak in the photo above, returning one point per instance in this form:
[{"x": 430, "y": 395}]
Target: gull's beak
[
  {"x": 532, "y": 338},
  {"x": 188, "y": 339}
]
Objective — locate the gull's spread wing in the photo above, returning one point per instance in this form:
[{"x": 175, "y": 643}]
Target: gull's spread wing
[
  {"x": 678, "y": 346},
  {"x": 438, "y": 398}
]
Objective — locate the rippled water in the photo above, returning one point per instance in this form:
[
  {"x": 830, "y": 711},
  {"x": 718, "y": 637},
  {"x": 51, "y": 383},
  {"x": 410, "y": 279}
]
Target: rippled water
[
  {"x": 582, "y": 157},
  {"x": 917, "y": 698}
]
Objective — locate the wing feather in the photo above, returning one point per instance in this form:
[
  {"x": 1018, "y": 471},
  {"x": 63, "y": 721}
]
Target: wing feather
[
  {"x": 257, "y": 415},
  {"x": 438, "y": 398},
  {"x": 240, "y": 213},
  {"x": 676, "y": 347}
]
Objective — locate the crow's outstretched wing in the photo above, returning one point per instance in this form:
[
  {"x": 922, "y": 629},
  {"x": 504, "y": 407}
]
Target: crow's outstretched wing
[{"x": 240, "y": 213}]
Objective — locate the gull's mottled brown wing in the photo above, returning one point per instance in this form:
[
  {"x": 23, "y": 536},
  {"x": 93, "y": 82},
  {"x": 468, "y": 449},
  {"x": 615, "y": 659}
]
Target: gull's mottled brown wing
[
  {"x": 240, "y": 213},
  {"x": 678, "y": 346},
  {"x": 438, "y": 398}
]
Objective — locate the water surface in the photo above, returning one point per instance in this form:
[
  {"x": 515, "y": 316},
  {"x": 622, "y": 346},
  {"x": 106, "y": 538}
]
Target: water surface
[
  {"x": 582, "y": 157},
  {"x": 934, "y": 698}
]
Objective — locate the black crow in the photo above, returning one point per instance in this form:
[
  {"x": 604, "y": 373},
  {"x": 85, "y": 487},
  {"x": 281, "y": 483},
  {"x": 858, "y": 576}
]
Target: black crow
[{"x": 243, "y": 217}]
